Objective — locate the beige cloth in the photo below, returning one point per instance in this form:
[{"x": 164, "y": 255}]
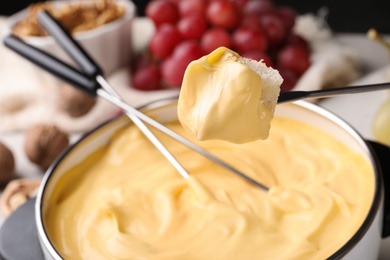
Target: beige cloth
[
  {"x": 29, "y": 95},
  {"x": 333, "y": 65}
]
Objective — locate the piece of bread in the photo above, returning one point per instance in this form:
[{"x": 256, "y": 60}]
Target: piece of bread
[
  {"x": 225, "y": 96},
  {"x": 272, "y": 81}
]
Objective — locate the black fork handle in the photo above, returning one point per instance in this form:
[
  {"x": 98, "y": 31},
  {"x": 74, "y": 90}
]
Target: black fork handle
[
  {"x": 52, "y": 65},
  {"x": 70, "y": 45}
]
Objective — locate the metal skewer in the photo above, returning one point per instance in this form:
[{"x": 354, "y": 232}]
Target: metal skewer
[
  {"x": 325, "y": 93},
  {"x": 124, "y": 106},
  {"x": 146, "y": 131}
]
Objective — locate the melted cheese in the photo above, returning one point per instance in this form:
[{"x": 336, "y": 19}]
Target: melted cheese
[
  {"x": 227, "y": 97},
  {"x": 125, "y": 201}
]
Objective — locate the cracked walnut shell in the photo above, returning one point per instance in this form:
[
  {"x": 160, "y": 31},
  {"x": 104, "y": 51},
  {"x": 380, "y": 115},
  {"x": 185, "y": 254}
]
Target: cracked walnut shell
[{"x": 16, "y": 193}]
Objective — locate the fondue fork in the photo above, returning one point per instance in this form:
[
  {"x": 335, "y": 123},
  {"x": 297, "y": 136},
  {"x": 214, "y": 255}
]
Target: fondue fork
[
  {"x": 93, "y": 70},
  {"x": 93, "y": 83},
  {"x": 290, "y": 96}
]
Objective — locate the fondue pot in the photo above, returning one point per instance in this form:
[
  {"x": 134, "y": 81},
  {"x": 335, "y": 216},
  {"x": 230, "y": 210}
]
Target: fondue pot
[{"x": 364, "y": 244}]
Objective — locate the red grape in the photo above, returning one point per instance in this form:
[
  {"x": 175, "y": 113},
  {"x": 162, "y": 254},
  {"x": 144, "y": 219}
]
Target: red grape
[
  {"x": 188, "y": 51},
  {"x": 258, "y": 7},
  {"x": 162, "y": 11},
  {"x": 290, "y": 79},
  {"x": 246, "y": 39},
  {"x": 214, "y": 38},
  {"x": 258, "y": 55},
  {"x": 187, "y": 7},
  {"x": 164, "y": 41},
  {"x": 240, "y": 3},
  {"x": 274, "y": 28},
  {"x": 138, "y": 62},
  {"x": 251, "y": 21},
  {"x": 172, "y": 72},
  {"x": 294, "y": 58},
  {"x": 173, "y": 68},
  {"x": 223, "y": 13},
  {"x": 192, "y": 26},
  {"x": 146, "y": 77},
  {"x": 295, "y": 39},
  {"x": 287, "y": 15}
]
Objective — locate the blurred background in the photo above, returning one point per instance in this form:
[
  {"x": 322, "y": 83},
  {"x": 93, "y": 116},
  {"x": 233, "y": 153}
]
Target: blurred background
[{"x": 343, "y": 16}]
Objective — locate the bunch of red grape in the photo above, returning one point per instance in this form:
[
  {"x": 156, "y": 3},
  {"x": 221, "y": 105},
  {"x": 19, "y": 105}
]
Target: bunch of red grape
[{"x": 188, "y": 29}]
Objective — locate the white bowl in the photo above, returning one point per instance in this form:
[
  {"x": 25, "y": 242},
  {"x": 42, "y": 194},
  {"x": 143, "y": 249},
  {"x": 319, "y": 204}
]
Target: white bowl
[{"x": 109, "y": 45}]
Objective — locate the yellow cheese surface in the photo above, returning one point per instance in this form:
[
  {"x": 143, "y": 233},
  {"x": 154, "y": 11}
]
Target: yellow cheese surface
[
  {"x": 222, "y": 98},
  {"x": 125, "y": 201}
]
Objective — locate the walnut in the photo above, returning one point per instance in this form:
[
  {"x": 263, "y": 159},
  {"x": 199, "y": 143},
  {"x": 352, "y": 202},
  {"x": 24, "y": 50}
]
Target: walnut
[
  {"x": 7, "y": 163},
  {"x": 74, "y": 17},
  {"x": 75, "y": 102},
  {"x": 44, "y": 143},
  {"x": 16, "y": 193}
]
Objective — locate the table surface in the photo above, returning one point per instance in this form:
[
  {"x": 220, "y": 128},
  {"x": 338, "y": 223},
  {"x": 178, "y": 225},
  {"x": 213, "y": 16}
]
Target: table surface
[{"x": 347, "y": 107}]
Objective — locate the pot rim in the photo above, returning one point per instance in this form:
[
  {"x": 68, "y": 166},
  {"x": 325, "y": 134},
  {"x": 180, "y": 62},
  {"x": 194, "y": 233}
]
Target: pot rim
[
  {"x": 378, "y": 189},
  {"x": 373, "y": 211}
]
